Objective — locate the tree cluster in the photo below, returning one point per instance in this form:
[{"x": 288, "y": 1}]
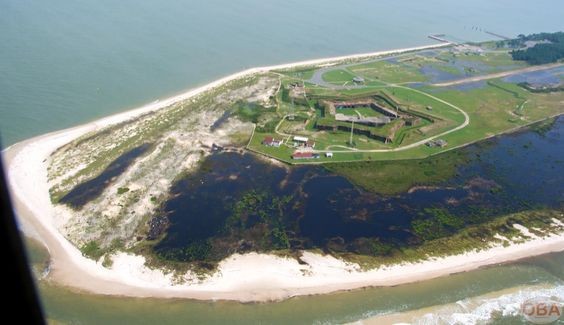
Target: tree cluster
[{"x": 541, "y": 53}]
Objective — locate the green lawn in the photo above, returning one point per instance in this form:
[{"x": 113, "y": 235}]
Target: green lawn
[
  {"x": 364, "y": 111},
  {"x": 389, "y": 72},
  {"x": 338, "y": 76},
  {"x": 419, "y": 103},
  {"x": 326, "y": 139},
  {"x": 390, "y": 177},
  {"x": 282, "y": 153}
]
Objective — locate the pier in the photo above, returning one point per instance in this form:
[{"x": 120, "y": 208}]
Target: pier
[
  {"x": 440, "y": 38},
  {"x": 497, "y": 35}
]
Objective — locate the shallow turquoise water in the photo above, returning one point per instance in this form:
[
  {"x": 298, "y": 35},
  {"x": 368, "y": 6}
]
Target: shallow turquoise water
[{"x": 67, "y": 62}]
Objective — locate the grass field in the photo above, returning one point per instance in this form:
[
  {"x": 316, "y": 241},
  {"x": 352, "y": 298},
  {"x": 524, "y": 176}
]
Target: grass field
[
  {"x": 498, "y": 61},
  {"x": 493, "y": 108},
  {"x": 391, "y": 177},
  {"x": 338, "y": 76},
  {"x": 364, "y": 111},
  {"x": 390, "y": 72}
]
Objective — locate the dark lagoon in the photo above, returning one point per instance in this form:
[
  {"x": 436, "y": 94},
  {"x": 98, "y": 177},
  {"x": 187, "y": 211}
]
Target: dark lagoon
[
  {"x": 238, "y": 202},
  {"x": 91, "y": 189}
]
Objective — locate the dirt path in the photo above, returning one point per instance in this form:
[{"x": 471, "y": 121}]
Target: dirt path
[{"x": 497, "y": 75}]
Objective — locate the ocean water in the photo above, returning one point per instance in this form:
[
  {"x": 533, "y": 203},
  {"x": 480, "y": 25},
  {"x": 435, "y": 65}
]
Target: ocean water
[
  {"x": 68, "y": 62},
  {"x": 486, "y": 296}
]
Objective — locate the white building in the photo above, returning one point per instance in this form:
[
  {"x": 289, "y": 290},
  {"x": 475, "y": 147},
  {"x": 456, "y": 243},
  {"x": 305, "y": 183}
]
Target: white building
[{"x": 300, "y": 139}]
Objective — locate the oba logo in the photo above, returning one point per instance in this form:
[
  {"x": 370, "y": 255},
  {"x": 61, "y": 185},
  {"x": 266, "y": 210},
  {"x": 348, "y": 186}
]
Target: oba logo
[{"x": 541, "y": 310}]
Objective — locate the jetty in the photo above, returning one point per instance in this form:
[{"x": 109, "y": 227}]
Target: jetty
[
  {"x": 497, "y": 35},
  {"x": 440, "y": 38}
]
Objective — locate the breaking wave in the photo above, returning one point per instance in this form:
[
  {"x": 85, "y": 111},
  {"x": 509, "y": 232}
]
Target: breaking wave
[{"x": 483, "y": 309}]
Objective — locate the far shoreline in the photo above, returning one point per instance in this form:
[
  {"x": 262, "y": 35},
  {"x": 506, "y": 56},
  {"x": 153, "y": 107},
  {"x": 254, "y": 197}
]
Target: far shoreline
[
  {"x": 158, "y": 103},
  {"x": 250, "y": 277}
]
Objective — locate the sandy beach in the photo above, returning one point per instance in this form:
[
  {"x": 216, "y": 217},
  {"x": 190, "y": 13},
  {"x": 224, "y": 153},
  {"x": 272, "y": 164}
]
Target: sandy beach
[{"x": 249, "y": 277}]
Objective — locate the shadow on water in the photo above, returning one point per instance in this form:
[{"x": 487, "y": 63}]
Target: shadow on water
[
  {"x": 89, "y": 190},
  {"x": 229, "y": 204}
]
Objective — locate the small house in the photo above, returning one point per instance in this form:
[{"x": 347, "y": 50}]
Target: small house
[
  {"x": 305, "y": 155},
  {"x": 298, "y": 138},
  {"x": 271, "y": 142},
  {"x": 302, "y": 155}
]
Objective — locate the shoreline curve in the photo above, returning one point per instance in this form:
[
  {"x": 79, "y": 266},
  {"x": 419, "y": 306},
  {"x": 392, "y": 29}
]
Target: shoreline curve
[{"x": 247, "y": 278}]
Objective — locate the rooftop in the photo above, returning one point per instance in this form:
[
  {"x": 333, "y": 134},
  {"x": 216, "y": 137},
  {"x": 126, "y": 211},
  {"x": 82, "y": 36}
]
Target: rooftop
[
  {"x": 300, "y": 139},
  {"x": 302, "y": 154}
]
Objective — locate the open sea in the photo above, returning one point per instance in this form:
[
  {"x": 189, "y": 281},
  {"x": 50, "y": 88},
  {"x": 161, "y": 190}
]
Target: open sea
[{"x": 63, "y": 63}]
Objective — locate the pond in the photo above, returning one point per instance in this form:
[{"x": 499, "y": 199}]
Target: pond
[
  {"x": 237, "y": 202},
  {"x": 548, "y": 77},
  {"x": 91, "y": 189}
]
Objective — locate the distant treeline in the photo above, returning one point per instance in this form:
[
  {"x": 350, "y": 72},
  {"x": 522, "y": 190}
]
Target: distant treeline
[{"x": 541, "y": 53}]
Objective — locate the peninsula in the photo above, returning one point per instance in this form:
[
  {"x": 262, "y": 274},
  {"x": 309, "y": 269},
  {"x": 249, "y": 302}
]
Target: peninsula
[{"x": 305, "y": 178}]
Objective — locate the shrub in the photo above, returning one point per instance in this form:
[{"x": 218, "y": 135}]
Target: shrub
[
  {"x": 122, "y": 190},
  {"x": 92, "y": 250}
]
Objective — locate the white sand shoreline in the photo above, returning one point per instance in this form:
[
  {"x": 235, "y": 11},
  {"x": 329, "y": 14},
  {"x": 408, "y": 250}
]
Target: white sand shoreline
[{"x": 251, "y": 277}]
